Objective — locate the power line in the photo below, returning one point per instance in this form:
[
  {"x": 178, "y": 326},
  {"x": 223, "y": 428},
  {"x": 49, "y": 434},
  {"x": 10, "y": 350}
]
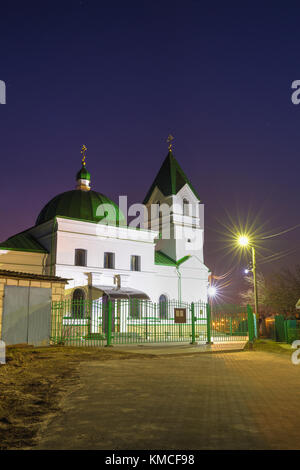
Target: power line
[{"x": 281, "y": 233}]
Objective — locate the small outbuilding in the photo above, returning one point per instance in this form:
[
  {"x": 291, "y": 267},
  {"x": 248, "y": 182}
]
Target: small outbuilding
[{"x": 25, "y": 306}]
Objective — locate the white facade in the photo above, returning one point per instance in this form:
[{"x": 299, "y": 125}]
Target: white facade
[{"x": 152, "y": 279}]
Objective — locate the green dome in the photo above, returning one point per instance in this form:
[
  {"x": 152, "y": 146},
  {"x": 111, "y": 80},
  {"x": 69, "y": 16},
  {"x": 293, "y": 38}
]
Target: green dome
[
  {"x": 81, "y": 205},
  {"x": 83, "y": 174}
]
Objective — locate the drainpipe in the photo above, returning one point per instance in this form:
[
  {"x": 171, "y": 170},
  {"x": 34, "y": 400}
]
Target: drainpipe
[
  {"x": 179, "y": 263},
  {"x": 179, "y": 283}
]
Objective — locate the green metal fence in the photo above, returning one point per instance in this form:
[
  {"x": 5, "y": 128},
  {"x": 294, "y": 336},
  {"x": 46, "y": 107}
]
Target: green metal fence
[
  {"x": 127, "y": 321},
  {"x": 231, "y": 323},
  {"x": 284, "y": 330}
]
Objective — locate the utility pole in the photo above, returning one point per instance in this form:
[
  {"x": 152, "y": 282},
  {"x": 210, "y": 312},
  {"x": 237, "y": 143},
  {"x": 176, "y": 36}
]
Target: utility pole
[{"x": 255, "y": 290}]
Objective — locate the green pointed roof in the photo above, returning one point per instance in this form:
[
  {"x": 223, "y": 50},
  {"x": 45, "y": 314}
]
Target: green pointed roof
[{"x": 170, "y": 178}]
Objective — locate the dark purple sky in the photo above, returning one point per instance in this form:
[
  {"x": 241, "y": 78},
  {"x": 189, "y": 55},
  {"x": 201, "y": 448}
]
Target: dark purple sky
[{"x": 120, "y": 76}]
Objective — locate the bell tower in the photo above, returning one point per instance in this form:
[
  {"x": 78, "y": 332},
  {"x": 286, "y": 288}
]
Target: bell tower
[{"x": 174, "y": 209}]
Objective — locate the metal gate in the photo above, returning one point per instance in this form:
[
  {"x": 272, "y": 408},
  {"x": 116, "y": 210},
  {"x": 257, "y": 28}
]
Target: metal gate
[
  {"x": 229, "y": 322},
  {"x": 26, "y": 315},
  {"x": 128, "y": 321}
]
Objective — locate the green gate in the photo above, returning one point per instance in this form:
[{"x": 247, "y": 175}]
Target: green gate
[
  {"x": 129, "y": 321},
  {"x": 228, "y": 323}
]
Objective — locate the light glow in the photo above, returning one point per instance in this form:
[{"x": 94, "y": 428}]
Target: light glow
[
  {"x": 212, "y": 291},
  {"x": 243, "y": 240}
]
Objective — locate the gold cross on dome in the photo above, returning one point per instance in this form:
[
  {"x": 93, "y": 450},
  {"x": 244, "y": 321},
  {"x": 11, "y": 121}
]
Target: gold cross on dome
[
  {"x": 83, "y": 150},
  {"x": 169, "y": 140}
]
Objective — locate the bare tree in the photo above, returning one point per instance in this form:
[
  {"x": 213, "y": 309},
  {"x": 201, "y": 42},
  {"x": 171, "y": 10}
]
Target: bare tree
[
  {"x": 283, "y": 290},
  {"x": 247, "y": 296}
]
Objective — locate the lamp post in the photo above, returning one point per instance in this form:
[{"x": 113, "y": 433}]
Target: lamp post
[
  {"x": 244, "y": 242},
  {"x": 211, "y": 291}
]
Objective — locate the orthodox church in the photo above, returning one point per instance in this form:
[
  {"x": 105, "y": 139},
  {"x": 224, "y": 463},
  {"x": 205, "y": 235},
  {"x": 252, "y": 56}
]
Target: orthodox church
[{"x": 83, "y": 236}]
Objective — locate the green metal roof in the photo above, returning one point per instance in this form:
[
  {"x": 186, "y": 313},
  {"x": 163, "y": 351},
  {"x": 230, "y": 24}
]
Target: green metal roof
[
  {"x": 83, "y": 174},
  {"x": 170, "y": 178},
  {"x": 83, "y": 205},
  {"x": 162, "y": 259},
  {"x": 23, "y": 242}
]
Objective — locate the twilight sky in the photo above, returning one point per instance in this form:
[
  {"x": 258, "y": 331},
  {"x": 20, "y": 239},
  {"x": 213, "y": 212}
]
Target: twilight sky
[{"x": 120, "y": 76}]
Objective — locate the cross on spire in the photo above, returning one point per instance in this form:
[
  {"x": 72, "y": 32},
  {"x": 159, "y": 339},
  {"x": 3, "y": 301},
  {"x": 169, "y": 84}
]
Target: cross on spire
[
  {"x": 83, "y": 150},
  {"x": 169, "y": 141}
]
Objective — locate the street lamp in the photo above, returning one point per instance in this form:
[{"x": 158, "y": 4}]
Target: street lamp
[
  {"x": 212, "y": 291},
  {"x": 244, "y": 242}
]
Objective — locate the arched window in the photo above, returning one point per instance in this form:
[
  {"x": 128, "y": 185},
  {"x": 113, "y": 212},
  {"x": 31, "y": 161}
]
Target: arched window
[
  {"x": 163, "y": 307},
  {"x": 159, "y": 216},
  {"x": 158, "y": 213},
  {"x": 78, "y": 303},
  {"x": 186, "y": 207}
]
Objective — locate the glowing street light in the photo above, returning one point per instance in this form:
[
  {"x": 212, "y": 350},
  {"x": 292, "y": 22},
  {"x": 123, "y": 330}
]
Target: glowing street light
[
  {"x": 245, "y": 242},
  {"x": 212, "y": 291}
]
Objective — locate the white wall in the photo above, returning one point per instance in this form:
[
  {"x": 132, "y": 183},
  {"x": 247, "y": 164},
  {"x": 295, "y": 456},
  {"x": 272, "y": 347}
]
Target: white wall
[
  {"x": 153, "y": 279},
  {"x": 181, "y": 234}
]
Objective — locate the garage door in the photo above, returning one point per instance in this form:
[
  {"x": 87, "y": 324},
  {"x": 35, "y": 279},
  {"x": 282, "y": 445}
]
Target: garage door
[{"x": 26, "y": 315}]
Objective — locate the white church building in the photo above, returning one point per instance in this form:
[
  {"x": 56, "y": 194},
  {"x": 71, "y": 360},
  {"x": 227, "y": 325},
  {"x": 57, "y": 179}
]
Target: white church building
[{"x": 83, "y": 236}]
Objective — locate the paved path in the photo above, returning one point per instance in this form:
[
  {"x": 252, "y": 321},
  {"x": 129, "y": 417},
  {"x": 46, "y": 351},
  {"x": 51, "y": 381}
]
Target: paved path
[
  {"x": 181, "y": 348},
  {"x": 239, "y": 400}
]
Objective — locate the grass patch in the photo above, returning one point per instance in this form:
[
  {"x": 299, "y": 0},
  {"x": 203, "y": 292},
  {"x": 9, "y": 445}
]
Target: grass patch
[{"x": 267, "y": 345}]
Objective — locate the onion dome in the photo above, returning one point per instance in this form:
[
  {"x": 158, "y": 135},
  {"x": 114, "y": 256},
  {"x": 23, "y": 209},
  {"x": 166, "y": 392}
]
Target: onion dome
[
  {"x": 82, "y": 204},
  {"x": 83, "y": 174}
]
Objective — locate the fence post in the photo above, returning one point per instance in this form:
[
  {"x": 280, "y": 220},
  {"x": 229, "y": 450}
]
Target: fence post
[
  {"x": 109, "y": 323},
  {"x": 250, "y": 326},
  {"x": 208, "y": 324},
  {"x": 285, "y": 324},
  {"x": 280, "y": 328},
  {"x": 193, "y": 323},
  {"x": 89, "y": 317}
]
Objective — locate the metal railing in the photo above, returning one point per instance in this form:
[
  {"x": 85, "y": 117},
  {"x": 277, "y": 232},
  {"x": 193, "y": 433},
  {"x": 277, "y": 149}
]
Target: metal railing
[{"x": 129, "y": 321}]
